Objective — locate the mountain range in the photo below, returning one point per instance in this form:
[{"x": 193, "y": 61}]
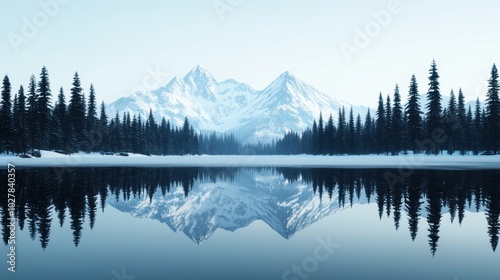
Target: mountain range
[
  {"x": 287, "y": 207},
  {"x": 287, "y": 104}
]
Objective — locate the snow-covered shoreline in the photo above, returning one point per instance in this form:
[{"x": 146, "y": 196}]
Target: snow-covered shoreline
[{"x": 455, "y": 162}]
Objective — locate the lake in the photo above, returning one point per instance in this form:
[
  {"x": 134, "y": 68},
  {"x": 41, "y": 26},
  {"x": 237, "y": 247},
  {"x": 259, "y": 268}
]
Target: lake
[{"x": 252, "y": 223}]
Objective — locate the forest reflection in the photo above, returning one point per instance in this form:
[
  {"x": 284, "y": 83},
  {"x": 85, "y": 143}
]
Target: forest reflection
[{"x": 75, "y": 195}]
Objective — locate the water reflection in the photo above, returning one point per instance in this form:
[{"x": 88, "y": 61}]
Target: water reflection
[{"x": 197, "y": 201}]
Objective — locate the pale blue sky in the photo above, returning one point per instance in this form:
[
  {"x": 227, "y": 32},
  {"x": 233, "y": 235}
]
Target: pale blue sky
[{"x": 112, "y": 43}]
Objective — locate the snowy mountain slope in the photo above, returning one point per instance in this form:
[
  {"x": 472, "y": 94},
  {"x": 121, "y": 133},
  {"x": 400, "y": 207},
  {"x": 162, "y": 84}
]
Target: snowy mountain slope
[
  {"x": 286, "y": 207},
  {"x": 287, "y": 104}
]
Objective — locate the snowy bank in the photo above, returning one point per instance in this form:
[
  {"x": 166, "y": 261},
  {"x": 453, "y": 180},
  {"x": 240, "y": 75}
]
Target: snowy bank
[{"x": 455, "y": 162}]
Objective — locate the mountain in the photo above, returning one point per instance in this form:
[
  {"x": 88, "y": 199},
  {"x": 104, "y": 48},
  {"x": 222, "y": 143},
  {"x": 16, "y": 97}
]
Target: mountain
[
  {"x": 287, "y": 104},
  {"x": 287, "y": 207}
]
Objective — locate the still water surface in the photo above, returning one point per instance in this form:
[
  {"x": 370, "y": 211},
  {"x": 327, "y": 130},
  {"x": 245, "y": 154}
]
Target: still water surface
[{"x": 253, "y": 223}]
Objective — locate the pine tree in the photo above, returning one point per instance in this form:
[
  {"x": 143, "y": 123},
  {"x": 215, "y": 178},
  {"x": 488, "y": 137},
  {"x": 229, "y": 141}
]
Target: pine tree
[
  {"x": 484, "y": 128},
  {"x": 397, "y": 123},
  {"x": 315, "y": 138},
  {"x": 151, "y": 134},
  {"x": 134, "y": 135},
  {"x": 368, "y": 134},
  {"x": 76, "y": 109},
  {"x": 164, "y": 136},
  {"x": 434, "y": 120},
  {"x": 461, "y": 123},
  {"x": 413, "y": 114},
  {"x": 6, "y": 133},
  {"x": 60, "y": 122},
  {"x": 33, "y": 120},
  {"x": 44, "y": 109},
  {"x": 493, "y": 113},
  {"x": 405, "y": 143},
  {"x": 358, "y": 137},
  {"x": 321, "y": 135},
  {"x": 329, "y": 136},
  {"x": 341, "y": 132},
  {"x": 126, "y": 132},
  {"x": 115, "y": 128},
  {"x": 478, "y": 131},
  {"x": 20, "y": 123},
  {"x": 380, "y": 126},
  {"x": 186, "y": 137},
  {"x": 351, "y": 134},
  {"x": 103, "y": 129},
  {"x": 91, "y": 110},
  {"x": 468, "y": 132},
  {"x": 388, "y": 126},
  {"x": 451, "y": 121}
]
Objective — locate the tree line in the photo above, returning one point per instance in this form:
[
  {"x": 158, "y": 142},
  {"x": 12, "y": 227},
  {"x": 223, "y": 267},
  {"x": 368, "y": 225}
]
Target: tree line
[
  {"x": 398, "y": 128},
  {"x": 30, "y": 122}
]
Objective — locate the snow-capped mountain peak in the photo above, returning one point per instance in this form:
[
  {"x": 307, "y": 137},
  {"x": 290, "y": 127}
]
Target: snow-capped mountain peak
[
  {"x": 233, "y": 107},
  {"x": 199, "y": 75}
]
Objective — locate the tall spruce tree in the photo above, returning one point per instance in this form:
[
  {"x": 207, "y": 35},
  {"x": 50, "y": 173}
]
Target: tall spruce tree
[
  {"x": 186, "y": 137},
  {"x": 314, "y": 138},
  {"x": 493, "y": 113},
  {"x": 468, "y": 131},
  {"x": 20, "y": 126},
  {"x": 91, "y": 111},
  {"x": 477, "y": 138},
  {"x": 405, "y": 143},
  {"x": 358, "y": 137},
  {"x": 397, "y": 123},
  {"x": 461, "y": 123},
  {"x": 103, "y": 129},
  {"x": 33, "y": 120},
  {"x": 434, "y": 124},
  {"x": 341, "y": 132},
  {"x": 321, "y": 135},
  {"x": 368, "y": 134},
  {"x": 60, "y": 122},
  {"x": 351, "y": 134},
  {"x": 44, "y": 109},
  {"x": 330, "y": 136},
  {"x": 76, "y": 109},
  {"x": 380, "y": 126},
  {"x": 6, "y": 131},
  {"x": 388, "y": 125},
  {"x": 450, "y": 119},
  {"x": 414, "y": 117}
]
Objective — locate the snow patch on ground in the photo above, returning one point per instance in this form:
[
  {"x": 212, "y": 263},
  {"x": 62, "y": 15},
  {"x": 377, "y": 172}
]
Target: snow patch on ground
[{"x": 455, "y": 162}]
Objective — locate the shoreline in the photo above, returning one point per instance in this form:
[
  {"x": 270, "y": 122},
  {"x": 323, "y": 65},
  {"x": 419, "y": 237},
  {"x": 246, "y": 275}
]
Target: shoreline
[{"x": 404, "y": 162}]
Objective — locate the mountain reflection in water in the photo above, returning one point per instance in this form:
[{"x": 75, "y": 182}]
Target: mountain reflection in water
[{"x": 198, "y": 201}]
